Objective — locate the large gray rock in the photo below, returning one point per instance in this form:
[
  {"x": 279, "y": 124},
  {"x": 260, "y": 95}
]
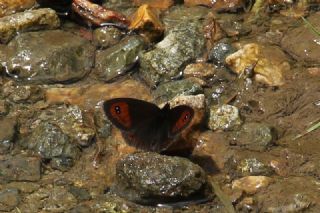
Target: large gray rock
[
  {"x": 119, "y": 58},
  {"x": 47, "y": 57},
  {"x": 183, "y": 44},
  {"x": 150, "y": 178}
]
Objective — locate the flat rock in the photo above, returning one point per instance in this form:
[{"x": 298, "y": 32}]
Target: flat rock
[
  {"x": 19, "y": 168},
  {"x": 48, "y": 57},
  {"x": 30, "y": 20}
]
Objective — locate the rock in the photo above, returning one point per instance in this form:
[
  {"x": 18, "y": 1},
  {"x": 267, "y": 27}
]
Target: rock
[
  {"x": 173, "y": 89},
  {"x": 219, "y": 53},
  {"x": 199, "y": 70},
  {"x": 160, "y": 4},
  {"x": 183, "y": 44},
  {"x": 81, "y": 209},
  {"x": 253, "y": 166},
  {"x": 106, "y": 36},
  {"x": 309, "y": 50},
  {"x": 62, "y": 57},
  {"x": 150, "y": 178},
  {"x": 7, "y": 134},
  {"x": 233, "y": 25},
  {"x": 270, "y": 63},
  {"x": 49, "y": 141},
  {"x": 80, "y": 193},
  {"x": 118, "y": 59},
  {"x": 181, "y": 14},
  {"x": 12, "y": 6},
  {"x": 4, "y": 107},
  {"x": 31, "y": 20},
  {"x": 228, "y": 5},
  {"x": 224, "y": 117},
  {"x": 25, "y": 94},
  {"x": 19, "y": 168},
  {"x": 24, "y": 187},
  {"x": 58, "y": 200},
  {"x": 255, "y": 136},
  {"x": 190, "y": 3},
  {"x": 251, "y": 184},
  {"x": 61, "y": 163},
  {"x": 9, "y": 199}
]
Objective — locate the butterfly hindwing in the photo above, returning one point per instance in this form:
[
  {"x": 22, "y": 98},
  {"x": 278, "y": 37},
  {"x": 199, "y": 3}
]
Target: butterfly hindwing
[
  {"x": 128, "y": 113},
  {"x": 180, "y": 117}
]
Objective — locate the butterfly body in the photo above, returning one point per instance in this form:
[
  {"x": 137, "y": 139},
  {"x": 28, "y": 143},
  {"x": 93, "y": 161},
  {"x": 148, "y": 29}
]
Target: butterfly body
[{"x": 145, "y": 125}]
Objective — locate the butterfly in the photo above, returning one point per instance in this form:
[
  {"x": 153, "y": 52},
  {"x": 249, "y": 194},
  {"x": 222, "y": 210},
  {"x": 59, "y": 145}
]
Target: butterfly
[{"x": 145, "y": 125}]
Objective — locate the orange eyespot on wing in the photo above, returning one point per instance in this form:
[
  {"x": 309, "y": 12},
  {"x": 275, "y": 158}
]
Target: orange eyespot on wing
[
  {"x": 182, "y": 122},
  {"x": 119, "y": 113}
]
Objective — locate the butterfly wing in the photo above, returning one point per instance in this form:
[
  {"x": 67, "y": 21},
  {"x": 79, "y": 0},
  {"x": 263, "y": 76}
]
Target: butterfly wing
[
  {"x": 128, "y": 114},
  {"x": 180, "y": 118}
]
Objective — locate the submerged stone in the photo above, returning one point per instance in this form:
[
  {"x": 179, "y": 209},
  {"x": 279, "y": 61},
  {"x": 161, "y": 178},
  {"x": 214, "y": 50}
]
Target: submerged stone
[
  {"x": 118, "y": 59},
  {"x": 48, "y": 57},
  {"x": 9, "y": 199},
  {"x": 106, "y": 36},
  {"x": 7, "y": 133},
  {"x": 183, "y": 44},
  {"x": 255, "y": 136},
  {"x": 150, "y": 178},
  {"x": 169, "y": 90},
  {"x": 19, "y": 168},
  {"x": 30, "y": 20}
]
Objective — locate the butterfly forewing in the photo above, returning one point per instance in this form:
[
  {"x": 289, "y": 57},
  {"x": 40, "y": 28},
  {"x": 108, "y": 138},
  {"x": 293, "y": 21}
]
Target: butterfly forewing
[
  {"x": 180, "y": 117},
  {"x": 127, "y": 113}
]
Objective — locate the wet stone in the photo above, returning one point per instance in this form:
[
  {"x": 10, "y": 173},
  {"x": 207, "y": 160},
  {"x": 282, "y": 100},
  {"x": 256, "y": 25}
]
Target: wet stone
[
  {"x": 9, "y": 199},
  {"x": 150, "y": 178},
  {"x": 4, "y": 108},
  {"x": 219, "y": 53},
  {"x": 30, "y": 20},
  {"x": 180, "y": 14},
  {"x": 80, "y": 194},
  {"x": 118, "y": 59},
  {"x": 106, "y": 36},
  {"x": 19, "y": 168},
  {"x": 199, "y": 70},
  {"x": 24, "y": 187},
  {"x": 252, "y": 166},
  {"x": 255, "y": 136},
  {"x": 49, "y": 141},
  {"x": 251, "y": 184},
  {"x": 61, "y": 163},
  {"x": 62, "y": 57},
  {"x": 7, "y": 133},
  {"x": 224, "y": 117},
  {"x": 184, "y": 43},
  {"x": 169, "y": 90}
]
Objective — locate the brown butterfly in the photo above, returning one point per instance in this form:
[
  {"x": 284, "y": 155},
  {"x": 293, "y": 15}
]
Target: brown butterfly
[{"x": 145, "y": 125}]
